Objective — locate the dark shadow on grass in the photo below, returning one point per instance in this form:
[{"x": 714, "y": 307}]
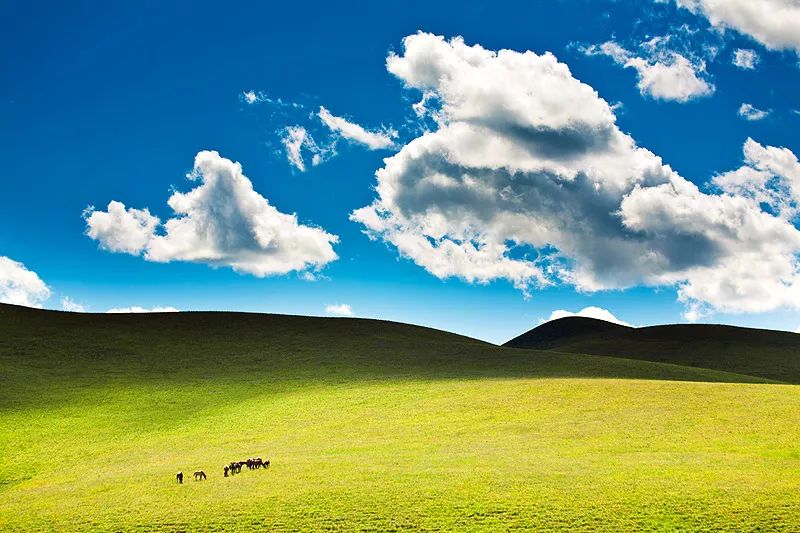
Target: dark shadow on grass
[{"x": 50, "y": 356}]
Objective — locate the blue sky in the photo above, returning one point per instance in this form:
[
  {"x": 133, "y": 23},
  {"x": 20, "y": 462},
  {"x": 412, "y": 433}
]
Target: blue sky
[{"x": 114, "y": 102}]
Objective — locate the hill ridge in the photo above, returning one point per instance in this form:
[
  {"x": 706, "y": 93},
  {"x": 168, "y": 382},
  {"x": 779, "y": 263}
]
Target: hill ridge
[{"x": 757, "y": 352}]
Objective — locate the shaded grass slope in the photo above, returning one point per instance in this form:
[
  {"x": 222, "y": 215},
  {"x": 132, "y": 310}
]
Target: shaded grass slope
[{"x": 756, "y": 352}]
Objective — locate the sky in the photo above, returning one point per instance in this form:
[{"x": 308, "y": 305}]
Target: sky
[{"x": 471, "y": 166}]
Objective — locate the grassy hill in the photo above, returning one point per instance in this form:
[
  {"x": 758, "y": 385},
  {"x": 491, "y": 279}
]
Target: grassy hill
[
  {"x": 756, "y": 352},
  {"x": 373, "y": 425}
]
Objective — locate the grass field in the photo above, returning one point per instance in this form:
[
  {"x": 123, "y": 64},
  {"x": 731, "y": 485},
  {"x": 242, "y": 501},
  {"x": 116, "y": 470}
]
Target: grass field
[{"x": 374, "y": 426}]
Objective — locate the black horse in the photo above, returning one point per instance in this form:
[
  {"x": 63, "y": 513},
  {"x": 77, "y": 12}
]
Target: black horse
[
  {"x": 179, "y": 477},
  {"x": 199, "y": 475}
]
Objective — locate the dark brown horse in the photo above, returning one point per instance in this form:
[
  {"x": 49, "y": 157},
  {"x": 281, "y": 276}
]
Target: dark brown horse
[
  {"x": 199, "y": 475},
  {"x": 179, "y": 477}
]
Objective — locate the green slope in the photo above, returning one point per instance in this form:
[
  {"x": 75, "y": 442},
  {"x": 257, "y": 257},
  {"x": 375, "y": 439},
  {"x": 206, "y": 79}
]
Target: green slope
[
  {"x": 757, "y": 352},
  {"x": 373, "y": 426}
]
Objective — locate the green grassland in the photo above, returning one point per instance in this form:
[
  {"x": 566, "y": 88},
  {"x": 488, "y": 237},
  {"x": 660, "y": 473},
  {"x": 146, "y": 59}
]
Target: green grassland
[{"x": 374, "y": 426}]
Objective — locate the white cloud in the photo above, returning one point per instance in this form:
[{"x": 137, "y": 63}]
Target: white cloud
[
  {"x": 528, "y": 178},
  {"x": 588, "y": 312},
  {"x": 221, "y": 222},
  {"x": 374, "y": 140},
  {"x": 773, "y": 23},
  {"x": 119, "y": 229},
  {"x": 339, "y": 309},
  {"x": 299, "y": 144},
  {"x": 20, "y": 286},
  {"x": 137, "y": 309},
  {"x": 663, "y": 74},
  {"x": 250, "y": 97},
  {"x": 293, "y": 139},
  {"x": 696, "y": 311},
  {"x": 745, "y": 59},
  {"x": 296, "y": 139},
  {"x": 67, "y": 304},
  {"x": 748, "y": 112},
  {"x": 770, "y": 176}
]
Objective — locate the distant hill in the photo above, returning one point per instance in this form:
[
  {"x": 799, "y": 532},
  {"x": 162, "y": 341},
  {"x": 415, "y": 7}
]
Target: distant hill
[{"x": 756, "y": 352}]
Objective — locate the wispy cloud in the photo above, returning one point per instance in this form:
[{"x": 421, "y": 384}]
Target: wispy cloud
[
  {"x": 296, "y": 140},
  {"x": 68, "y": 304},
  {"x": 339, "y": 310},
  {"x": 374, "y": 140},
  {"x": 138, "y": 309},
  {"x": 257, "y": 97},
  {"x": 745, "y": 59}
]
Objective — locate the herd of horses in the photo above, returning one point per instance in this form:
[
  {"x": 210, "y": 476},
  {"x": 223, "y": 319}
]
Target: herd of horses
[{"x": 234, "y": 467}]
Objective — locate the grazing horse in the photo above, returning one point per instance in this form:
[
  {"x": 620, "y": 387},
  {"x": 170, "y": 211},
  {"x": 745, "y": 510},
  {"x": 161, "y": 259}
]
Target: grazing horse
[
  {"x": 199, "y": 475},
  {"x": 179, "y": 477},
  {"x": 235, "y": 467}
]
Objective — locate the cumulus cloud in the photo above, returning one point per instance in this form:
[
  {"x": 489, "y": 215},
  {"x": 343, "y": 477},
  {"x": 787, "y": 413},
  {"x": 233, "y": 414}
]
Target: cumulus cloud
[
  {"x": 773, "y": 23},
  {"x": 588, "y": 312},
  {"x": 137, "y": 309},
  {"x": 748, "y": 112},
  {"x": 528, "y": 178},
  {"x": 745, "y": 59},
  {"x": 119, "y": 229},
  {"x": 770, "y": 177},
  {"x": 339, "y": 309},
  {"x": 221, "y": 222},
  {"x": 663, "y": 74},
  {"x": 68, "y": 304},
  {"x": 374, "y": 140},
  {"x": 20, "y": 286}
]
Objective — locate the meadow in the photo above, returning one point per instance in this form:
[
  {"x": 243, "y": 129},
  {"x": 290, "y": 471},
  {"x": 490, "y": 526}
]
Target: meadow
[{"x": 374, "y": 426}]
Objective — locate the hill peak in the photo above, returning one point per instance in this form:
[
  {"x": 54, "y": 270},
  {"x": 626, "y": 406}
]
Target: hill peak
[{"x": 550, "y": 333}]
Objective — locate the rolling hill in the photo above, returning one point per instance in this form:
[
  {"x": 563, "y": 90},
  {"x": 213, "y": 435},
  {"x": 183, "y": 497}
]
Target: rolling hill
[
  {"x": 373, "y": 425},
  {"x": 755, "y": 352}
]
